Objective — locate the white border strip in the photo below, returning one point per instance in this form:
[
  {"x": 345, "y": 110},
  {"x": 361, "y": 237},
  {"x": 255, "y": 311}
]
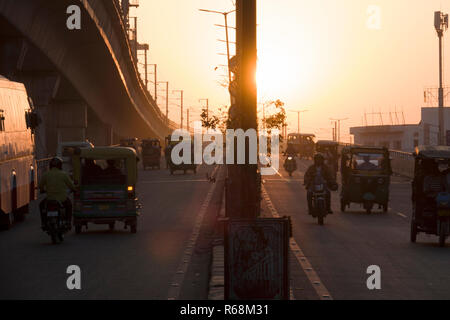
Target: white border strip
[
  {"x": 178, "y": 278},
  {"x": 317, "y": 284}
]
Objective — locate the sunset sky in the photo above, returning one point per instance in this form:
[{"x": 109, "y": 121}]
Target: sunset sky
[{"x": 317, "y": 55}]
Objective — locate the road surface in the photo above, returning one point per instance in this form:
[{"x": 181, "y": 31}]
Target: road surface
[
  {"x": 341, "y": 251},
  {"x": 114, "y": 264}
]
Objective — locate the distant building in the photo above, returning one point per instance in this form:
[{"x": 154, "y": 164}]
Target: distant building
[{"x": 404, "y": 137}]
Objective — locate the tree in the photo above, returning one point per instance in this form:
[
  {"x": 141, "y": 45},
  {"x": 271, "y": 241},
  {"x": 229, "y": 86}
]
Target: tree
[
  {"x": 209, "y": 121},
  {"x": 276, "y": 120}
]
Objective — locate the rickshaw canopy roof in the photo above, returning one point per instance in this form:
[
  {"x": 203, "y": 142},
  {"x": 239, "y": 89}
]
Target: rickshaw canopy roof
[
  {"x": 433, "y": 152},
  {"x": 302, "y": 134},
  {"x": 105, "y": 153},
  {"x": 362, "y": 149},
  {"x": 327, "y": 143}
]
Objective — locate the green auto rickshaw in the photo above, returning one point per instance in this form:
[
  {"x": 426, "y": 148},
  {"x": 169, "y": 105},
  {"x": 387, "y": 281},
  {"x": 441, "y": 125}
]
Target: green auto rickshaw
[
  {"x": 182, "y": 166},
  {"x": 431, "y": 192},
  {"x": 365, "y": 173},
  {"x": 107, "y": 178}
]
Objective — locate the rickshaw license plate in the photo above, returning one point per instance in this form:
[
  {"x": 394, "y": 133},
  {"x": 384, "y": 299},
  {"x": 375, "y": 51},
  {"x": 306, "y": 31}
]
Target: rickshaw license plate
[
  {"x": 103, "y": 207},
  {"x": 52, "y": 214},
  {"x": 444, "y": 213}
]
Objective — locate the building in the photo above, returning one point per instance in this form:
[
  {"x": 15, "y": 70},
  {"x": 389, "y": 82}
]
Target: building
[{"x": 404, "y": 137}]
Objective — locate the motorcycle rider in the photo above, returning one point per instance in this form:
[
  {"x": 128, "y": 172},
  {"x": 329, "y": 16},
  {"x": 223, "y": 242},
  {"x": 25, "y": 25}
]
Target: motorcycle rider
[
  {"x": 318, "y": 169},
  {"x": 55, "y": 183}
]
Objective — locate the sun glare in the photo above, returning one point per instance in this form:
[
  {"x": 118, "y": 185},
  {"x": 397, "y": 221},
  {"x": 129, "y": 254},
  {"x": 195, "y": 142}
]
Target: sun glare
[{"x": 278, "y": 75}]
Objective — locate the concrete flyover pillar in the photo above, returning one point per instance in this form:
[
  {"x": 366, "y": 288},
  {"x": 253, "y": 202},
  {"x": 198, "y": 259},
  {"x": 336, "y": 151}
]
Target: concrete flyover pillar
[
  {"x": 70, "y": 120},
  {"x": 98, "y": 132}
]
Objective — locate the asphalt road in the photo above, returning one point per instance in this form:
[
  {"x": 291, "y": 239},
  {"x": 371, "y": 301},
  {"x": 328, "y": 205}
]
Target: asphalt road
[
  {"x": 114, "y": 264},
  {"x": 341, "y": 251}
]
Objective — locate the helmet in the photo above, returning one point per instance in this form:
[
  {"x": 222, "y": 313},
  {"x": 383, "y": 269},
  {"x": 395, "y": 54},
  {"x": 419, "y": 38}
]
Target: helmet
[
  {"x": 319, "y": 159},
  {"x": 56, "y": 162}
]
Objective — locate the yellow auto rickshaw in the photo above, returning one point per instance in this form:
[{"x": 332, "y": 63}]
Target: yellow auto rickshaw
[{"x": 107, "y": 178}]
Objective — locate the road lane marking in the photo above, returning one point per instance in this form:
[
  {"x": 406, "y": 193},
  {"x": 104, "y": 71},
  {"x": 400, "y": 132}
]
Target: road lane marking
[
  {"x": 398, "y": 213},
  {"x": 178, "y": 278},
  {"x": 313, "y": 278}
]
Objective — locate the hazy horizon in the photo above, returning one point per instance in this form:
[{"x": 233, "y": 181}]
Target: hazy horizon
[{"x": 319, "y": 56}]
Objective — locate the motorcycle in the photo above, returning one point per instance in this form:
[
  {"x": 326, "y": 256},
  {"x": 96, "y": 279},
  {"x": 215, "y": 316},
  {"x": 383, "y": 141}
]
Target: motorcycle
[
  {"x": 290, "y": 165},
  {"x": 56, "y": 223},
  {"x": 319, "y": 202}
]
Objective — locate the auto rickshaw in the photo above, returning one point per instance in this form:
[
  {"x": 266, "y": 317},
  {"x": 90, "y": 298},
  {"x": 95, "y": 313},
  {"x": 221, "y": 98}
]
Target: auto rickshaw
[
  {"x": 151, "y": 153},
  {"x": 107, "y": 178},
  {"x": 366, "y": 173},
  {"x": 431, "y": 192},
  {"x": 303, "y": 144},
  {"x": 329, "y": 149},
  {"x": 132, "y": 143},
  {"x": 183, "y": 166}
]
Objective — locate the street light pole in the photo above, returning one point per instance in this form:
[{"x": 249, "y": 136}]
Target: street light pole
[
  {"x": 298, "y": 118},
  {"x": 167, "y": 99},
  {"x": 441, "y": 24},
  {"x": 225, "y": 14},
  {"x": 156, "y": 82},
  {"x": 181, "y": 92},
  {"x": 338, "y": 121}
]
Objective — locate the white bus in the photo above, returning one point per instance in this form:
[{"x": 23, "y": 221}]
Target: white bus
[{"x": 17, "y": 162}]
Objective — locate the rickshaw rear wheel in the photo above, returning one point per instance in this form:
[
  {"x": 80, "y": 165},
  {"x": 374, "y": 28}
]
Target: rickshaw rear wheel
[
  {"x": 442, "y": 234},
  {"x": 385, "y": 208},
  {"x": 413, "y": 231},
  {"x": 77, "y": 229},
  {"x": 320, "y": 220},
  {"x": 343, "y": 205}
]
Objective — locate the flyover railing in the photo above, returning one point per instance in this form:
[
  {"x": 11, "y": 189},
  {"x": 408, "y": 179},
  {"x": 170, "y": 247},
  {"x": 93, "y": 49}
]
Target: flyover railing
[{"x": 402, "y": 163}]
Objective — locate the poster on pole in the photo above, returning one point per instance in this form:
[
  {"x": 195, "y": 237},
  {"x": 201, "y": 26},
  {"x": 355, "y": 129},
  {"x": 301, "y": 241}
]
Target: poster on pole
[{"x": 256, "y": 259}]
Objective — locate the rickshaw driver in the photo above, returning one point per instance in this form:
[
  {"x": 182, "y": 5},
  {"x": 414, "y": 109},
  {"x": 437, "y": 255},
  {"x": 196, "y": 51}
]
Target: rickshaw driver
[
  {"x": 366, "y": 165},
  {"x": 111, "y": 169},
  {"x": 55, "y": 183},
  {"x": 318, "y": 168}
]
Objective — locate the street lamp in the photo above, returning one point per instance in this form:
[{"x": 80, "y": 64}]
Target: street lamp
[
  {"x": 225, "y": 14},
  {"x": 441, "y": 24}
]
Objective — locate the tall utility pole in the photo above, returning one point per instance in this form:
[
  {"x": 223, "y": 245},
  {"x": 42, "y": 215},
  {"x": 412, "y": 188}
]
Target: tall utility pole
[
  {"x": 155, "y": 73},
  {"x": 181, "y": 98},
  {"x": 187, "y": 122},
  {"x": 225, "y": 14},
  {"x": 441, "y": 24},
  {"x": 242, "y": 196},
  {"x": 338, "y": 128},
  {"x": 298, "y": 118},
  {"x": 167, "y": 99}
]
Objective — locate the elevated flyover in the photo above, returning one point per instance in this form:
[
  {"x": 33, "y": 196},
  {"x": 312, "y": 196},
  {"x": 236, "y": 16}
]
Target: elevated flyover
[{"x": 84, "y": 83}]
